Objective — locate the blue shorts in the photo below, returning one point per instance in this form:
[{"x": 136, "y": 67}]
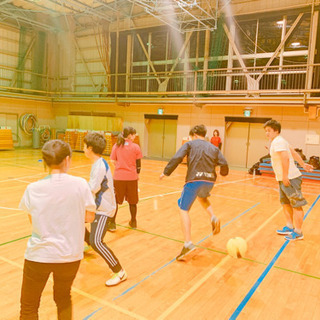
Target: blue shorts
[
  {"x": 194, "y": 189},
  {"x": 292, "y": 194}
]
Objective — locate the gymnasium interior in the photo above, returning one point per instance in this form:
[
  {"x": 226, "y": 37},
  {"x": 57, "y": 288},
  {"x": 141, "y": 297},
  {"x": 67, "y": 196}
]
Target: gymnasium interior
[{"x": 68, "y": 67}]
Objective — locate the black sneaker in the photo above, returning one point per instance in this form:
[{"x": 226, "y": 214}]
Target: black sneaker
[
  {"x": 185, "y": 251},
  {"x": 133, "y": 224},
  {"x": 112, "y": 226},
  {"x": 215, "y": 226}
]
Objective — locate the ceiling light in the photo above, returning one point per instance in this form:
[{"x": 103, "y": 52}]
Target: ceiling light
[
  {"x": 295, "y": 44},
  {"x": 281, "y": 22}
]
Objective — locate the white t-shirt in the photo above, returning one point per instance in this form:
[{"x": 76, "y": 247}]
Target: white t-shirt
[
  {"x": 279, "y": 144},
  {"x": 57, "y": 205},
  {"x": 101, "y": 185}
]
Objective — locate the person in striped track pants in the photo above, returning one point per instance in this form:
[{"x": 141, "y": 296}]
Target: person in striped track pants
[{"x": 101, "y": 185}]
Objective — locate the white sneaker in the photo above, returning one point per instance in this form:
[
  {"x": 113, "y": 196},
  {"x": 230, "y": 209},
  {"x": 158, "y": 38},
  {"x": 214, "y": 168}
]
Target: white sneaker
[{"x": 117, "y": 278}]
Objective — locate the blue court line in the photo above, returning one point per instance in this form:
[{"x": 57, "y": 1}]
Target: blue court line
[
  {"x": 168, "y": 263},
  {"x": 91, "y": 314},
  {"x": 241, "y": 214},
  {"x": 265, "y": 272}
]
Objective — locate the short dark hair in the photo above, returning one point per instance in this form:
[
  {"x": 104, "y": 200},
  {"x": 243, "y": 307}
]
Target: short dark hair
[
  {"x": 199, "y": 130},
  {"x": 95, "y": 140},
  {"x": 275, "y": 125},
  {"x": 55, "y": 151}
]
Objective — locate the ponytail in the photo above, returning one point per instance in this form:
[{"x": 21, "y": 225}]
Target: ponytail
[
  {"x": 123, "y": 135},
  {"x": 120, "y": 140}
]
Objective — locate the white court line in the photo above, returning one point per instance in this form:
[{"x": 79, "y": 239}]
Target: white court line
[
  {"x": 277, "y": 189},
  {"x": 11, "y": 215},
  {"x": 232, "y": 198},
  {"x": 21, "y": 181},
  {"x": 154, "y": 184},
  {"x": 179, "y": 191},
  {"x": 29, "y": 176},
  {"x": 31, "y": 156},
  {"x": 82, "y": 166},
  {"x": 14, "y": 209},
  {"x": 158, "y": 195},
  {"x": 304, "y": 182},
  {"x": 38, "y": 174}
]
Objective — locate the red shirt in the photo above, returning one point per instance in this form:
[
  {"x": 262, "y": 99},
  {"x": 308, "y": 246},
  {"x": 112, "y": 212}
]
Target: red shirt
[
  {"x": 125, "y": 157},
  {"x": 216, "y": 141}
]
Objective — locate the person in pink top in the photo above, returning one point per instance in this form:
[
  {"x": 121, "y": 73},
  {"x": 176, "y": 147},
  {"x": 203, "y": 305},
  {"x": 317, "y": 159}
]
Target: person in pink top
[
  {"x": 126, "y": 155},
  {"x": 216, "y": 140}
]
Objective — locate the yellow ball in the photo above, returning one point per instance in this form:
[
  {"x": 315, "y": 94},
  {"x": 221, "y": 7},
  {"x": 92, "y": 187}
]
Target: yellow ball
[{"x": 237, "y": 247}]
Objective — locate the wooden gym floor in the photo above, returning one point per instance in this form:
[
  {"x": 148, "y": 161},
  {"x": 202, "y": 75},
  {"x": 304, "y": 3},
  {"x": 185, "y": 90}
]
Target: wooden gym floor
[{"x": 275, "y": 280}]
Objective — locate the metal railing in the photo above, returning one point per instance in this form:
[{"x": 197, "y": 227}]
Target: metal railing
[{"x": 291, "y": 79}]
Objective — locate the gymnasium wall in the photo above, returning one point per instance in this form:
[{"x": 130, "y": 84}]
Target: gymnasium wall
[
  {"x": 43, "y": 110},
  {"x": 295, "y": 122}
]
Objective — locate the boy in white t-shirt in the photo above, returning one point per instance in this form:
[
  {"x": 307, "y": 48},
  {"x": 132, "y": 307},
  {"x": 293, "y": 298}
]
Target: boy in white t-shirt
[
  {"x": 101, "y": 185},
  {"x": 58, "y": 206},
  {"x": 289, "y": 178}
]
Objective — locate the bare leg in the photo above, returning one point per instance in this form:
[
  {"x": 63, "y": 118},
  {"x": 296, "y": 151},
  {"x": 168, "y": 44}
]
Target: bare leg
[
  {"x": 185, "y": 225},
  {"x": 288, "y": 213},
  {"x": 298, "y": 215},
  {"x": 205, "y": 203},
  {"x": 215, "y": 222}
]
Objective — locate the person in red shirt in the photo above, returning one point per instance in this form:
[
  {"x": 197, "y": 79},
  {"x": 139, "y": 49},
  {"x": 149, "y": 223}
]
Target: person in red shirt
[
  {"x": 126, "y": 155},
  {"x": 216, "y": 140}
]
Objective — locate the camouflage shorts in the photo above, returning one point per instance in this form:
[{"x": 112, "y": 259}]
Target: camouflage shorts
[{"x": 292, "y": 194}]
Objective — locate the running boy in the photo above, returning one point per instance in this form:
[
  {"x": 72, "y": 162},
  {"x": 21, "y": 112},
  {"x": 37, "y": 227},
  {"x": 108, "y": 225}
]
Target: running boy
[
  {"x": 289, "y": 178},
  {"x": 202, "y": 158},
  {"x": 101, "y": 185}
]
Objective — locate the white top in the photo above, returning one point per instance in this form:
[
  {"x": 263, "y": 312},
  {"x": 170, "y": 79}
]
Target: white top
[
  {"x": 57, "y": 205},
  {"x": 101, "y": 185},
  {"x": 279, "y": 144}
]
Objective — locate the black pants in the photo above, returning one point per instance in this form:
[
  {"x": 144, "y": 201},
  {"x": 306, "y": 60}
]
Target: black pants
[
  {"x": 35, "y": 277},
  {"x": 95, "y": 239}
]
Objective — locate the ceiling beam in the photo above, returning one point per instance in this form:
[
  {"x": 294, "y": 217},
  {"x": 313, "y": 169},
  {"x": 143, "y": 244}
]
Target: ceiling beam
[
  {"x": 280, "y": 46},
  {"x": 25, "y": 19}
]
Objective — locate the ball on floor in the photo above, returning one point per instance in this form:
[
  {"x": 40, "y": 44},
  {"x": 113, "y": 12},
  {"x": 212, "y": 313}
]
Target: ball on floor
[{"x": 237, "y": 247}]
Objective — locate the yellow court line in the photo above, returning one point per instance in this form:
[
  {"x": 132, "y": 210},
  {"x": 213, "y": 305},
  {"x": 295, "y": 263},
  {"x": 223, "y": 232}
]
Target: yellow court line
[
  {"x": 176, "y": 304},
  {"x": 263, "y": 225},
  {"x": 193, "y": 288},
  {"x": 87, "y": 295},
  {"x": 108, "y": 304}
]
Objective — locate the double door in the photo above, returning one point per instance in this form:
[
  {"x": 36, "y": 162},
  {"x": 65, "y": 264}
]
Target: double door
[
  {"x": 162, "y": 135},
  {"x": 245, "y": 144}
]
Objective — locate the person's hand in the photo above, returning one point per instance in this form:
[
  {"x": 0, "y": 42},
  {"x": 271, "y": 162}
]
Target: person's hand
[
  {"x": 162, "y": 175},
  {"x": 286, "y": 181},
  {"x": 308, "y": 167}
]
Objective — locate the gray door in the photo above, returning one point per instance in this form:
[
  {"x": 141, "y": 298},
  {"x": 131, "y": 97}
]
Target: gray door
[
  {"x": 245, "y": 144},
  {"x": 162, "y": 135}
]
